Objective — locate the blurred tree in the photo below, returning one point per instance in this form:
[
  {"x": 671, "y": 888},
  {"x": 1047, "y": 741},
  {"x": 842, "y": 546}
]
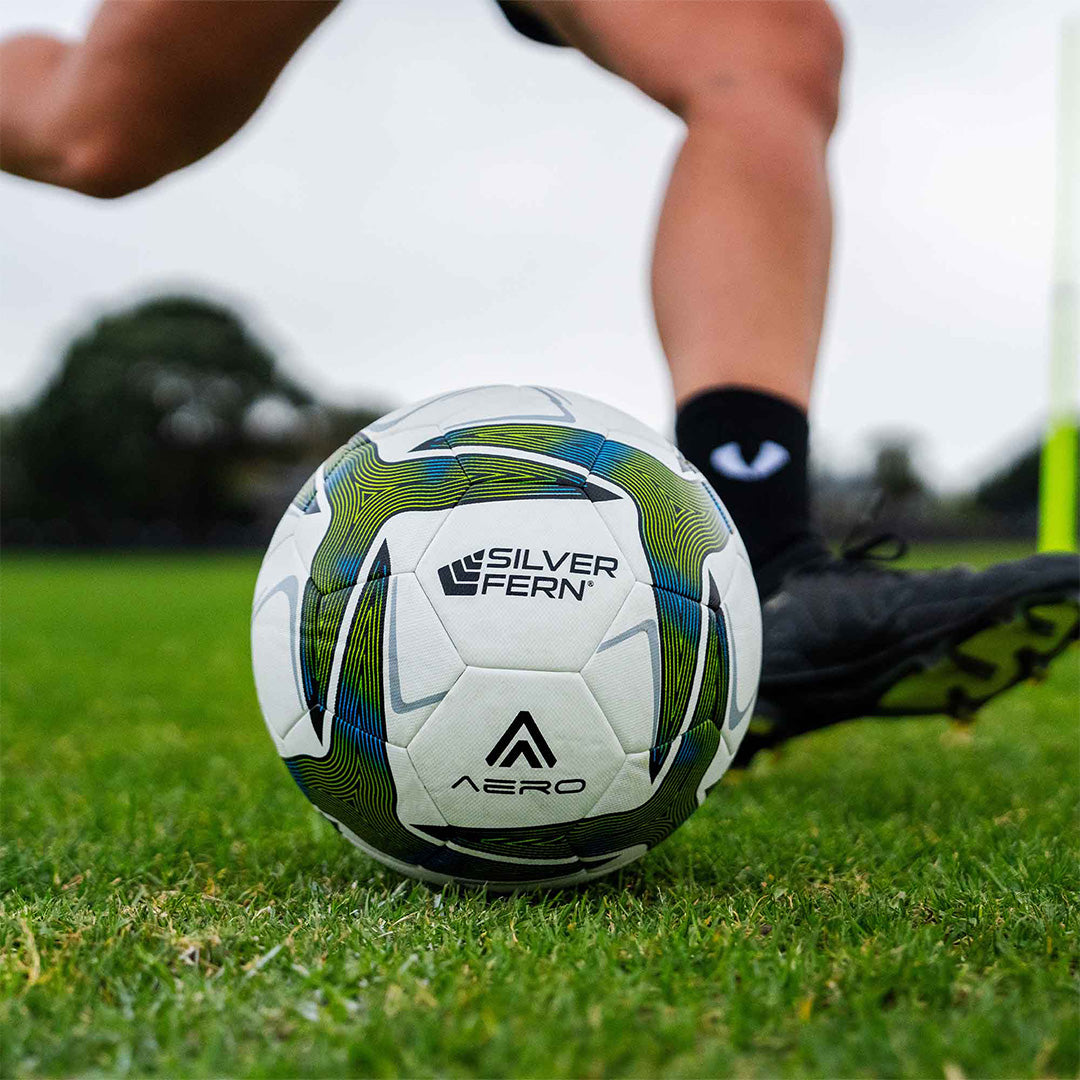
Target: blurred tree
[
  {"x": 895, "y": 473},
  {"x": 153, "y": 427},
  {"x": 1013, "y": 489}
]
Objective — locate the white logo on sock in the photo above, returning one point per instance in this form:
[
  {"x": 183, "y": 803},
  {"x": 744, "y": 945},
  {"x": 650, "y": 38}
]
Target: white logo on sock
[{"x": 728, "y": 460}]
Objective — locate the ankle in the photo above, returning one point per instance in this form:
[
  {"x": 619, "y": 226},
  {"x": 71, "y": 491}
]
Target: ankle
[{"x": 752, "y": 448}]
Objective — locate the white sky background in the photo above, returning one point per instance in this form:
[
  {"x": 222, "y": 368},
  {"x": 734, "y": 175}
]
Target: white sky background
[{"x": 428, "y": 201}]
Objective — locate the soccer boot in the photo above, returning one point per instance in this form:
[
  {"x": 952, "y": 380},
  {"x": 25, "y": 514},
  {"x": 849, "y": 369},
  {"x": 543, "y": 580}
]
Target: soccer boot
[{"x": 847, "y": 637}]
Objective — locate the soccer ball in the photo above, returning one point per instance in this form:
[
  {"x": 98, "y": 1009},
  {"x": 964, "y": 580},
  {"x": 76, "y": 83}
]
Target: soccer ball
[{"x": 507, "y": 636}]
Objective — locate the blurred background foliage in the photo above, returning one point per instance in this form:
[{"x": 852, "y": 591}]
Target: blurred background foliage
[
  {"x": 170, "y": 424},
  {"x": 167, "y": 424}
]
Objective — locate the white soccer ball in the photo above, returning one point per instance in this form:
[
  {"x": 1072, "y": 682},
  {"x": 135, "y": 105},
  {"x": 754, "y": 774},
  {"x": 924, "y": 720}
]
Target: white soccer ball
[{"x": 507, "y": 636}]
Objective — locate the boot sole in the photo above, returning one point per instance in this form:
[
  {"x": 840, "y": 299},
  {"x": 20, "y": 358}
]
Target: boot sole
[
  {"x": 960, "y": 677},
  {"x": 955, "y": 676}
]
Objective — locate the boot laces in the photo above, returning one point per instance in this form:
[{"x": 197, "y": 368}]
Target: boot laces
[{"x": 863, "y": 546}]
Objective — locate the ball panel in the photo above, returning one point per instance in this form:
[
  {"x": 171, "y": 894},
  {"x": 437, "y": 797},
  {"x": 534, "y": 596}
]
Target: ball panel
[
  {"x": 442, "y": 861},
  {"x": 421, "y": 661},
  {"x": 325, "y": 620},
  {"x": 425, "y": 413},
  {"x": 616, "y": 862},
  {"x": 399, "y": 442},
  {"x": 314, "y": 519},
  {"x": 631, "y": 433},
  {"x": 365, "y": 493},
  {"x": 503, "y": 404},
  {"x": 501, "y": 575},
  {"x": 624, "y": 673},
  {"x": 275, "y": 637},
  {"x": 409, "y": 869},
  {"x": 588, "y": 412},
  {"x": 630, "y": 789},
  {"x": 715, "y": 771},
  {"x": 676, "y": 523},
  {"x": 529, "y": 454},
  {"x": 309, "y": 736},
  {"x": 520, "y": 855},
  {"x": 476, "y": 405},
  {"x": 510, "y": 474},
  {"x": 353, "y": 783},
  {"x": 691, "y": 675},
  {"x": 743, "y": 612},
  {"x": 413, "y": 805},
  {"x": 674, "y": 797},
  {"x": 720, "y": 568},
  {"x": 622, "y": 519},
  {"x": 408, "y": 535},
  {"x": 515, "y": 749},
  {"x": 281, "y": 558},
  {"x": 285, "y": 530}
]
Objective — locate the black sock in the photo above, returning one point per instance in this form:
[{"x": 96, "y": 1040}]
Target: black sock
[{"x": 752, "y": 448}]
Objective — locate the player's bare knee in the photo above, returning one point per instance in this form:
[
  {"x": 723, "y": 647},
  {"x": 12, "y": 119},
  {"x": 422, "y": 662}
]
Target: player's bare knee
[
  {"x": 706, "y": 60},
  {"x": 817, "y": 64},
  {"x": 790, "y": 56}
]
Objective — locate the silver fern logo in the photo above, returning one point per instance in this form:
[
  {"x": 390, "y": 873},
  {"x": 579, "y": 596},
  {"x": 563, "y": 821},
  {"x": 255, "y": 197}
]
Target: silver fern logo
[{"x": 728, "y": 460}]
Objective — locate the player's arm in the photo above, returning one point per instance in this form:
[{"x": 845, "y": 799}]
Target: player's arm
[{"x": 154, "y": 86}]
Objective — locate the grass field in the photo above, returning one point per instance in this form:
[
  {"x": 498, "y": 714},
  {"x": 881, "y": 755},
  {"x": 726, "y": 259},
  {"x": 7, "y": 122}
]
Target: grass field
[{"x": 886, "y": 898}]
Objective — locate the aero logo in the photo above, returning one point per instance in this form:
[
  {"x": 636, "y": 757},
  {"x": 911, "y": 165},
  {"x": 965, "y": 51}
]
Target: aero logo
[{"x": 527, "y": 747}]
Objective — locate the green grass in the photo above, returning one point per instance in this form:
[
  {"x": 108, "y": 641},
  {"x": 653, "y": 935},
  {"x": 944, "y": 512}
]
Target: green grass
[{"x": 885, "y": 898}]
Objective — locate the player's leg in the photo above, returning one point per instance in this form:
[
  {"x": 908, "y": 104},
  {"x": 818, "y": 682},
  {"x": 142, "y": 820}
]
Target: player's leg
[
  {"x": 739, "y": 281},
  {"x": 742, "y": 247},
  {"x": 741, "y": 260}
]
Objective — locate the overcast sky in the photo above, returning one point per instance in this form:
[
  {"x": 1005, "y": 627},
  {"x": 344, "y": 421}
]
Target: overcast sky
[{"x": 428, "y": 201}]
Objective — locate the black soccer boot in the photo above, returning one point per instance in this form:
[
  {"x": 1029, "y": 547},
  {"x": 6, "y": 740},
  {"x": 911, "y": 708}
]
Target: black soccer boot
[{"x": 846, "y": 637}]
